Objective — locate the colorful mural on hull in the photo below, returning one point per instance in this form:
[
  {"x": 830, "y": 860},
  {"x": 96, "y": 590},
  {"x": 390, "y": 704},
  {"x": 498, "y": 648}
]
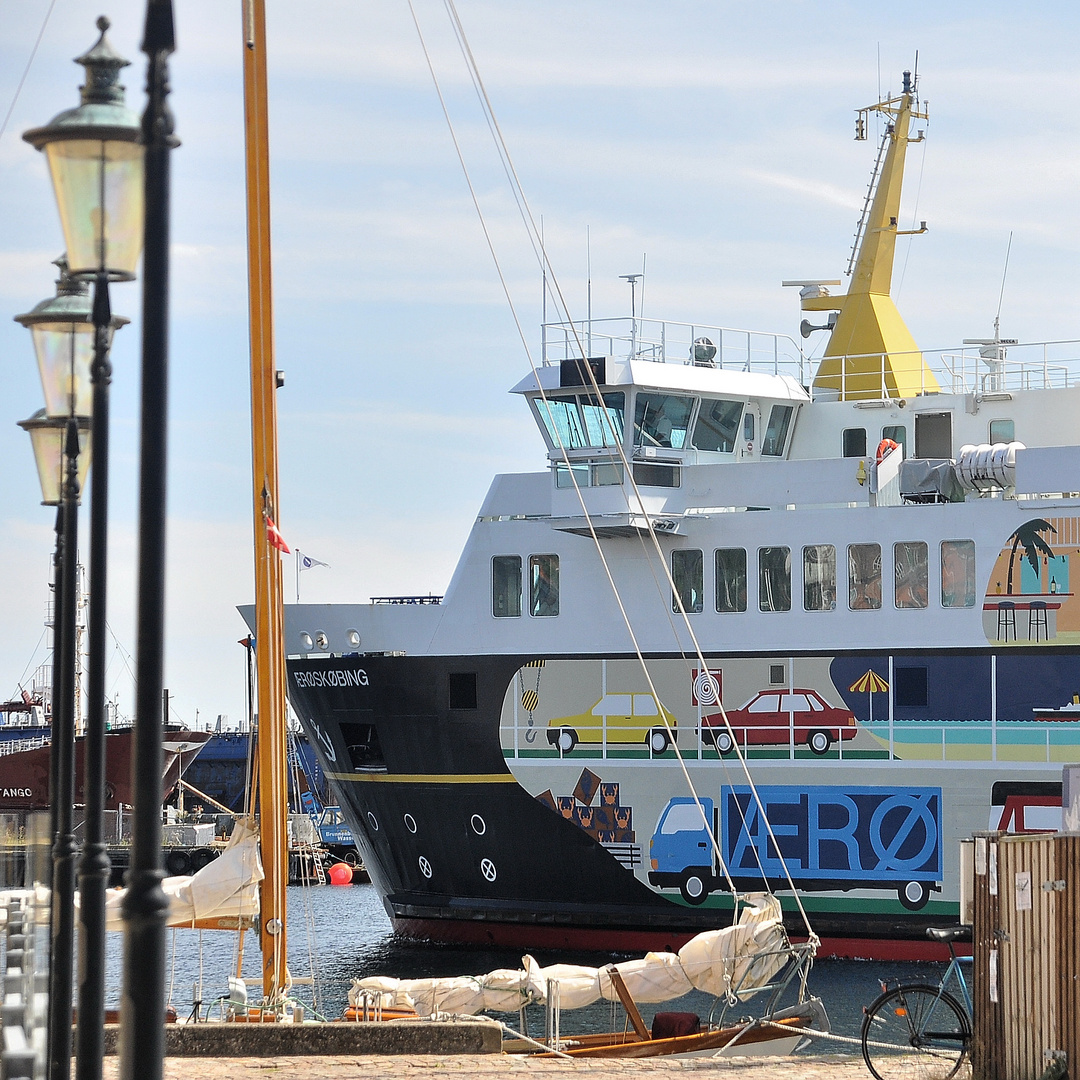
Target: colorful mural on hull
[
  {"x": 1029, "y": 597},
  {"x": 859, "y": 820}
]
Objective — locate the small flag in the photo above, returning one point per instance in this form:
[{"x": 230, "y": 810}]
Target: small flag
[
  {"x": 307, "y": 562},
  {"x": 274, "y": 537}
]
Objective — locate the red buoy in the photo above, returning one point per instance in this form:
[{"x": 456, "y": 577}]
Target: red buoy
[{"x": 340, "y": 874}]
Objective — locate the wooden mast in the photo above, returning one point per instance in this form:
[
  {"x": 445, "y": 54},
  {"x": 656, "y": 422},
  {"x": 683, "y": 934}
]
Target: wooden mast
[{"x": 269, "y": 615}]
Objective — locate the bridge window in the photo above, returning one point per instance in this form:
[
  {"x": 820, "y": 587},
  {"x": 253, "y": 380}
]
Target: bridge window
[
  {"x": 957, "y": 573},
  {"x": 819, "y": 577},
  {"x": 774, "y": 578},
  {"x": 543, "y": 585},
  {"x": 506, "y": 586},
  {"x": 933, "y": 435},
  {"x": 777, "y": 431},
  {"x": 581, "y": 421},
  {"x": 687, "y": 573},
  {"x": 730, "y": 579},
  {"x": 669, "y": 476},
  {"x": 717, "y": 426},
  {"x": 662, "y": 420},
  {"x": 864, "y": 577},
  {"x": 911, "y": 587}
]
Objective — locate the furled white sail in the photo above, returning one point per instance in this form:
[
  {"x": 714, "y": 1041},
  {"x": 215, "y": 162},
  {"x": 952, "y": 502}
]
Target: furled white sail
[
  {"x": 736, "y": 960},
  {"x": 227, "y": 888}
]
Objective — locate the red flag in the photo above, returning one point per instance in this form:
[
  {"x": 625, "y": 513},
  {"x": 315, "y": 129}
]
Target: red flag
[{"x": 275, "y": 537}]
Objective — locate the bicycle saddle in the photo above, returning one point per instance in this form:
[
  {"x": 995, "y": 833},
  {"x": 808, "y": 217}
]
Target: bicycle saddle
[{"x": 949, "y": 933}]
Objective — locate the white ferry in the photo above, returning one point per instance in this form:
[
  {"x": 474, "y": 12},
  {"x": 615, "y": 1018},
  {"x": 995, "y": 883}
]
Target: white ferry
[{"x": 868, "y": 567}]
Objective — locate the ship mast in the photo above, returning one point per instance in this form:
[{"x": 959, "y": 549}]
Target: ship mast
[
  {"x": 269, "y": 613},
  {"x": 871, "y": 353}
]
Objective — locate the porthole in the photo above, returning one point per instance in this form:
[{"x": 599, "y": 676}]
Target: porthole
[
  {"x": 425, "y": 866},
  {"x": 353, "y": 638},
  {"x": 305, "y": 641},
  {"x": 487, "y": 868},
  {"x": 410, "y": 823},
  {"x": 374, "y": 821},
  {"x": 322, "y": 642},
  {"x": 479, "y": 826}
]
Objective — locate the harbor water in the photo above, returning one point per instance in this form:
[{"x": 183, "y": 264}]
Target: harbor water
[{"x": 340, "y": 933}]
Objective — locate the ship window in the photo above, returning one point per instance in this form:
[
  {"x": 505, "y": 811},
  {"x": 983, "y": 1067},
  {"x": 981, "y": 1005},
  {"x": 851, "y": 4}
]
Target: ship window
[
  {"x": 731, "y": 579},
  {"x": 583, "y": 420},
  {"x": 543, "y": 585},
  {"x": 774, "y": 578},
  {"x": 933, "y": 435},
  {"x": 362, "y": 746},
  {"x": 855, "y": 442},
  {"x": 748, "y": 426},
  {"x": 687, "y": 574},
  {"x": 1002, "y": 431},
  {"x": 668, "y": 476},
  {"x": 898, "y": 434},
  {"x": 957, "y": 573},
  {"x": 607, "y": 475},
  {"x": 462, "y": 690},
  {"x": 910, "y": 691},
  {"x": 717, "y": 425},
  {"x": 565, "y": 477},
  {"x": 662, "y": 420},
  {"x": 819, "y": 577},
  {"x": 506, "y": 586},
  {"x": 777, "y": 431},
  {"x": 911, "y": 586},
  {"x": 864, "y": 577}
]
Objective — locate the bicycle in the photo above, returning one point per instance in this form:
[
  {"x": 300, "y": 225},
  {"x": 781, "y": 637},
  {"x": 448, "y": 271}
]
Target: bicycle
[{"x": 918, "y": 1031}]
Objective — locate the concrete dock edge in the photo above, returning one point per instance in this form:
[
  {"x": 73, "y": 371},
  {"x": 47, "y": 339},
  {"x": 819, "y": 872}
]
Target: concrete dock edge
[{"x": 214, "y": 1040}]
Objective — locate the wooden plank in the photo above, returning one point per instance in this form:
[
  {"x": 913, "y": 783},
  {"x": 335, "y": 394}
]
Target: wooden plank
[{"x": 643, "y": 1032}]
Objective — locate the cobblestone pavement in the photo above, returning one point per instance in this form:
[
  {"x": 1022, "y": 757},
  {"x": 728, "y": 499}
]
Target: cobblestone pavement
[{"x": 416, "y": 1067}]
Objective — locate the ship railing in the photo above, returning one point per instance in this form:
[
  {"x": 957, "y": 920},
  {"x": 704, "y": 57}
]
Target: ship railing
[
  {"x": 668, "y": 342},
  {"x": 1001, "y": 367},
  {"x": 18, "y": 746}
]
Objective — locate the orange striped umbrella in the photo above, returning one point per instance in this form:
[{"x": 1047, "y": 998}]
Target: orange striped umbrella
[{"x": 870, "y": 683}]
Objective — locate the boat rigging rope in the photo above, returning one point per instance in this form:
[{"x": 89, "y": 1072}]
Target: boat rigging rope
[
  {"x": 26, "y": 70},
  {"x": 531, "y": 228}
]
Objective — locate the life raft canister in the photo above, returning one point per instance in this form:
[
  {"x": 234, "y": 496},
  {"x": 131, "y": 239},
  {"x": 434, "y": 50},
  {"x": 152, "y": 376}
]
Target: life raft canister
[{"x": 886, "y": 446}]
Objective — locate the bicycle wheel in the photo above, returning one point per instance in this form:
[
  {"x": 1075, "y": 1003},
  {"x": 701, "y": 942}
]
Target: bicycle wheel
[{"x": 915, "y": 1032}]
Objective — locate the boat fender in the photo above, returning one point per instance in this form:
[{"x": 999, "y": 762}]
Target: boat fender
[{"x": 886, "y": 446}]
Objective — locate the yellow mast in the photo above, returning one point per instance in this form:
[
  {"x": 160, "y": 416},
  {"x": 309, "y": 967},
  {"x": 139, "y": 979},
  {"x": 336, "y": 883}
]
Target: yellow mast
[
  {"x": 871, "y": 353},
  {"x": 269, "y": 614}
]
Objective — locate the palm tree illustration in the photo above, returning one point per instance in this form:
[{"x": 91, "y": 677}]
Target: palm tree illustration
[{"x": 1027, "y": 536}]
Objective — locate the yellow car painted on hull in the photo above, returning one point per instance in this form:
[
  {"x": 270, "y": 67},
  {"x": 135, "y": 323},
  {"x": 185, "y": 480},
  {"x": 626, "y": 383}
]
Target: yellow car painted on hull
[{"x": 616, "y": 718}]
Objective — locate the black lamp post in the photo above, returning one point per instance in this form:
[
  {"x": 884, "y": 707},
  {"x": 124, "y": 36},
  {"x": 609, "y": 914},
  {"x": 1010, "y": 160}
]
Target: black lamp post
[{"x": 96, "y": 161}]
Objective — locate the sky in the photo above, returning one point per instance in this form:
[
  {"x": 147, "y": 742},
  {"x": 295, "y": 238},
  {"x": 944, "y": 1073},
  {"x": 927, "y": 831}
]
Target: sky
[{"x": 712, "y": 138}]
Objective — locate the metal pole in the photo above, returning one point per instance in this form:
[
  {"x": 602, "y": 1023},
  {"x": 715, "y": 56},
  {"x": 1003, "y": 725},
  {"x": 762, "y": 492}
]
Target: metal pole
[
  {"x": 58, "y": 676},
  {"x": 63, "y": 735},
  {"x": 94, "y": 867},
  {"x": 142, "y": 1035}
]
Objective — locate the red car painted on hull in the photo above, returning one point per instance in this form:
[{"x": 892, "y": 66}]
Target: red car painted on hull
[{"x": 774, "y": 717}]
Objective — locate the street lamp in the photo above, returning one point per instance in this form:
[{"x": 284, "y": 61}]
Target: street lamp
[{"x": 95, "y": 157}]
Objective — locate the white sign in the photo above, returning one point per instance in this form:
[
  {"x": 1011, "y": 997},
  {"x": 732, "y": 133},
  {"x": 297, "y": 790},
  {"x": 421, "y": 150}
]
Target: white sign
[{"x": 1023, "y": 890}]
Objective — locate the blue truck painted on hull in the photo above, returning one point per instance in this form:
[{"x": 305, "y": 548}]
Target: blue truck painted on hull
[{"x": 830, "y": 838}]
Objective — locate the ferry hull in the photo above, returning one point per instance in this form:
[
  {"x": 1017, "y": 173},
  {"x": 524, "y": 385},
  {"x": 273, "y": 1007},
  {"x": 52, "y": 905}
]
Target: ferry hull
[{"x": 475, "y": 828}]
